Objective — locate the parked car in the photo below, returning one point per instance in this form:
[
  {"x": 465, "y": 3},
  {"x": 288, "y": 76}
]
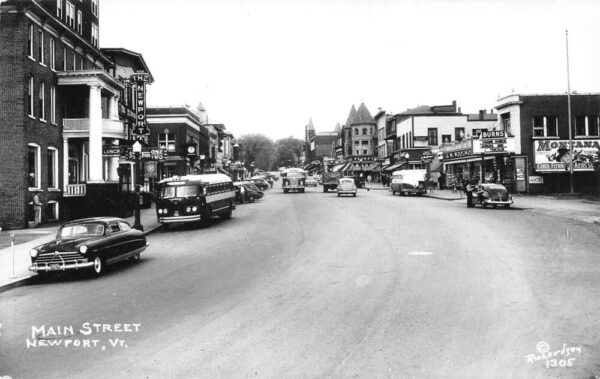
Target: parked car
[
  {"x": 260, "y": 183},
  {"x": 251, "y": 192},
  {"x": 311, "y": 182},
  {"x": 89, "y": 243},
  {"x": 346, "y": 186},
  {"x": 491, "y": 194}
]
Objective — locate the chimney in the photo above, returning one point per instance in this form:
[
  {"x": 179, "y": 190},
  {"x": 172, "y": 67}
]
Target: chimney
[
  {"x": 454, "y": 105},
  {"x": 459, "y": 111}
]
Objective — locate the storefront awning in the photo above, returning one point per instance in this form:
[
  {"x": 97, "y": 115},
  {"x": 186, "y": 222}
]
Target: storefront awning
[
  {"x": 346, "y": 167},
  {"x": 395, "y": 167},
  {"x": 436, "y": 167},
  {"x": 337, "y": 168}
]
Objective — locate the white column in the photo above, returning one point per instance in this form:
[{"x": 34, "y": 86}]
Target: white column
[
  {"x": 113, "y": 165},
  {"x": 95, "y": 148},
  {"x": 113, "y": 107},
  {"x": 65, "y": 164}
]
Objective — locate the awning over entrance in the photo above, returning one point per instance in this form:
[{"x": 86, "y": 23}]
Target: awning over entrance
[
  {"x": 436, "y": 167},
  {"x": 346, "y": 167},
  {"x": 395, "y": 167},
  {"x": 337, "y": 168}
]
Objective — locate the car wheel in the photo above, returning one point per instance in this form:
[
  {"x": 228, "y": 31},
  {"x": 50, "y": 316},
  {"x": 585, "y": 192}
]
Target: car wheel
[
  {"x": 393, "y": 193},
  {"x": 251, "y": 198},
  {"x": 98, "y": 267},
  {"x": 506, "y": 206},
  {"x": 354, "y": 194},
  {"x": 339, "y": 194},
  {"x": 135, "y": 258},
  {"x": 42, "y": 276},
  {"x": 484, "y": 205}
]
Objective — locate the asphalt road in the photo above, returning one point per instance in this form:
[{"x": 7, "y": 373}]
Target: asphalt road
[{"x": 312, "y": 286}]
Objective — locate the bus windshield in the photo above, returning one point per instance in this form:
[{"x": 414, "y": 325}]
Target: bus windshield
[
  {"x": 170, "y": 192},
  {"x": 295, "y": 175}
]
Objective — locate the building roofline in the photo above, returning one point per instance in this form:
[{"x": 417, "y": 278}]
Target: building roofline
[{"x": 133, "y": 54}]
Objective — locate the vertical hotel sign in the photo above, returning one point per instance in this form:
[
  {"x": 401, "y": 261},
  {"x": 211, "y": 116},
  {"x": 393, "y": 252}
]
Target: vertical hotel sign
[{"x": 141, "y": 127}]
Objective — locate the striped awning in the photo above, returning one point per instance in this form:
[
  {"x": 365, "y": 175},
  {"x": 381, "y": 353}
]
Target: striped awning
[{"x": 395, "y": 167}]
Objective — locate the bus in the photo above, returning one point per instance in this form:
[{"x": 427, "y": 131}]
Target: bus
[
  {"x": 293, "y": 179},
  {"x": 406, "y": 182},
  {"x": 194, "y": 198}
]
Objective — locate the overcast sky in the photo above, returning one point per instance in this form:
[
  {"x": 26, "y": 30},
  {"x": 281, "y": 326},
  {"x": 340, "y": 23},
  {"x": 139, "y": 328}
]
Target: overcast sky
[{"x": 266, "y": 67}]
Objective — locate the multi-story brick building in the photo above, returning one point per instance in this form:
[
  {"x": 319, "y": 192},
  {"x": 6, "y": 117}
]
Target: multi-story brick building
[
  {"x": 540, "y": 125},
  {"x": 59, "y": 107},
  {"x": 173, "y": 130}
]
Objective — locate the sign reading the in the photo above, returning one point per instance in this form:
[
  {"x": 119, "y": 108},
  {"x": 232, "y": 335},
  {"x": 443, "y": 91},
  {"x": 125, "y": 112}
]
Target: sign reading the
[{"x": 140, "y": 127}]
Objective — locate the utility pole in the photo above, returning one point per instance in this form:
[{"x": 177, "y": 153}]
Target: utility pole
[{"x": 569, "y": 115}]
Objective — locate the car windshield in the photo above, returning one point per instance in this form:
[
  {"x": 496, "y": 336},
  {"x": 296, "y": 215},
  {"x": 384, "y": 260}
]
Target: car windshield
[
  {"x": 295, "y": 175},
  {"x": 170, "y": 192},
  {"x": 86, "y": 229},
  {"x": 252, "y": 187},
  {"x": 346, "y": 181}
]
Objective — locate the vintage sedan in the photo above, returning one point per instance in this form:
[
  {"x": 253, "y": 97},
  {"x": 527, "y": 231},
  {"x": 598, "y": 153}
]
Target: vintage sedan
[
  {"x": 346, "y": 186},
  {"x": 88, "y": 244},
  {"x": 491, "y": 194},
  {"x": 311, "y": 181}
]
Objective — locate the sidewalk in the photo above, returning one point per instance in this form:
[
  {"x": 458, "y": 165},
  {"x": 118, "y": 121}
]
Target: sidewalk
[
  {"x": 26, "y": 239},
  {"x": 575, "y": 208}
]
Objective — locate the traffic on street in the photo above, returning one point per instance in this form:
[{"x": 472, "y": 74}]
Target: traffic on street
[{"x": 298, "y": 286}]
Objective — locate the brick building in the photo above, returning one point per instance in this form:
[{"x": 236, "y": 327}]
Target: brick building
[
  {"x": 540, "y": 125},
  {"x": 59, "y": 106}
]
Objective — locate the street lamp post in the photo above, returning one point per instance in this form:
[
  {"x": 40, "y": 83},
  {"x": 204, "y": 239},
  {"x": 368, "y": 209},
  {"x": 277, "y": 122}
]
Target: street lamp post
[{"x": 137, "y": 150}]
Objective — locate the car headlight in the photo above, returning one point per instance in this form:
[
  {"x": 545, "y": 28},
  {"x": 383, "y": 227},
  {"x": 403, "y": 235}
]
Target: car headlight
[
  {"x": 194, "y": 209},
  {"x": 188, "y": 209},
  {"x": 159, "y": 211},
  {"x": 485, "y": 194},
  {"x": 33, "y": 253},
  {"x": 83, "y": 249}
]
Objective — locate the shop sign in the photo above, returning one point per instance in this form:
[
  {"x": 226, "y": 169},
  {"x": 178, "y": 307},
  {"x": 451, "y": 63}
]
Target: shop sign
[
  {"x": 426, "y": 157},
  {"x": 457, "y": 154},
  {"x": 111, "y": 150},
  {"x": 150, "y": 169},
  {"x": 421, "y": 138},
  {"x": 153, "y": 152},
  {"x": 493, "y": 134},
  {"x": 536, "y": 179},
  {"x": 140, "y": 126},
  {"x": 554, "y": 155}
]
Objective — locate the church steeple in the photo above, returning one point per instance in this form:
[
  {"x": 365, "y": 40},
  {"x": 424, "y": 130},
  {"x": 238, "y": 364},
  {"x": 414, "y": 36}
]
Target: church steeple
[{"x": 309, "y": 131}]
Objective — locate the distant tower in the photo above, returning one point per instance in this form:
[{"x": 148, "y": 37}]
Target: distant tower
[{"x": 309, "y": 131}]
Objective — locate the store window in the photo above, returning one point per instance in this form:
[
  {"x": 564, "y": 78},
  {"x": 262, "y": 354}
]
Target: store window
[
  {"x": 33, "y": 159},
  {"x": 364, "y": 131},
  {"x": 95, "y": 7},
  {"x": 505, "y": 119},
  {"x": 551, "y": 126},
  {"x": 545, "y": 126},
  {"x": 355, "y": 131},
  {"x": 593, "y": 126},
  {"x": 446, "y": 138},
  {"x": 538, "y": 127}
]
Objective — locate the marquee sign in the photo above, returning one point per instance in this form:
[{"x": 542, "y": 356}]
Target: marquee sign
[
  {"x": 554, "y": 155},
  {"x": 140, "y": 127}
]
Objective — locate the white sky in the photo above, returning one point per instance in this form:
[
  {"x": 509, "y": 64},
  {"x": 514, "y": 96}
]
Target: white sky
[{"x": 262, "y": 66}]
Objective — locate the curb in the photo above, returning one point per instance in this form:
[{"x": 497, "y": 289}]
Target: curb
[
  {"x": 444, "y": 198},
  {"x": 18, "y": 282}
]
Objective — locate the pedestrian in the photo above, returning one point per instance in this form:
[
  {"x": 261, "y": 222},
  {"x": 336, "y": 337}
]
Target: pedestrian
[
  {"x": 442, "y": 181},
  {"x": 369, "y": 178},
  {"x": 469, "y": 189},
  {"x": 37, "y": 208},
  {"x": 242, "y": 194}
]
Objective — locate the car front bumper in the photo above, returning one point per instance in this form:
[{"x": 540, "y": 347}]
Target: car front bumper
[
  {"x": 59, "y": 266},
  {"x": 173, "y": 219}
]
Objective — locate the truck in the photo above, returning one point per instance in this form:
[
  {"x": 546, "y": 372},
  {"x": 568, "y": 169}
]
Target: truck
[
  {"x": 407, "y": 182},
  {"x": 330, "y": 180}
]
